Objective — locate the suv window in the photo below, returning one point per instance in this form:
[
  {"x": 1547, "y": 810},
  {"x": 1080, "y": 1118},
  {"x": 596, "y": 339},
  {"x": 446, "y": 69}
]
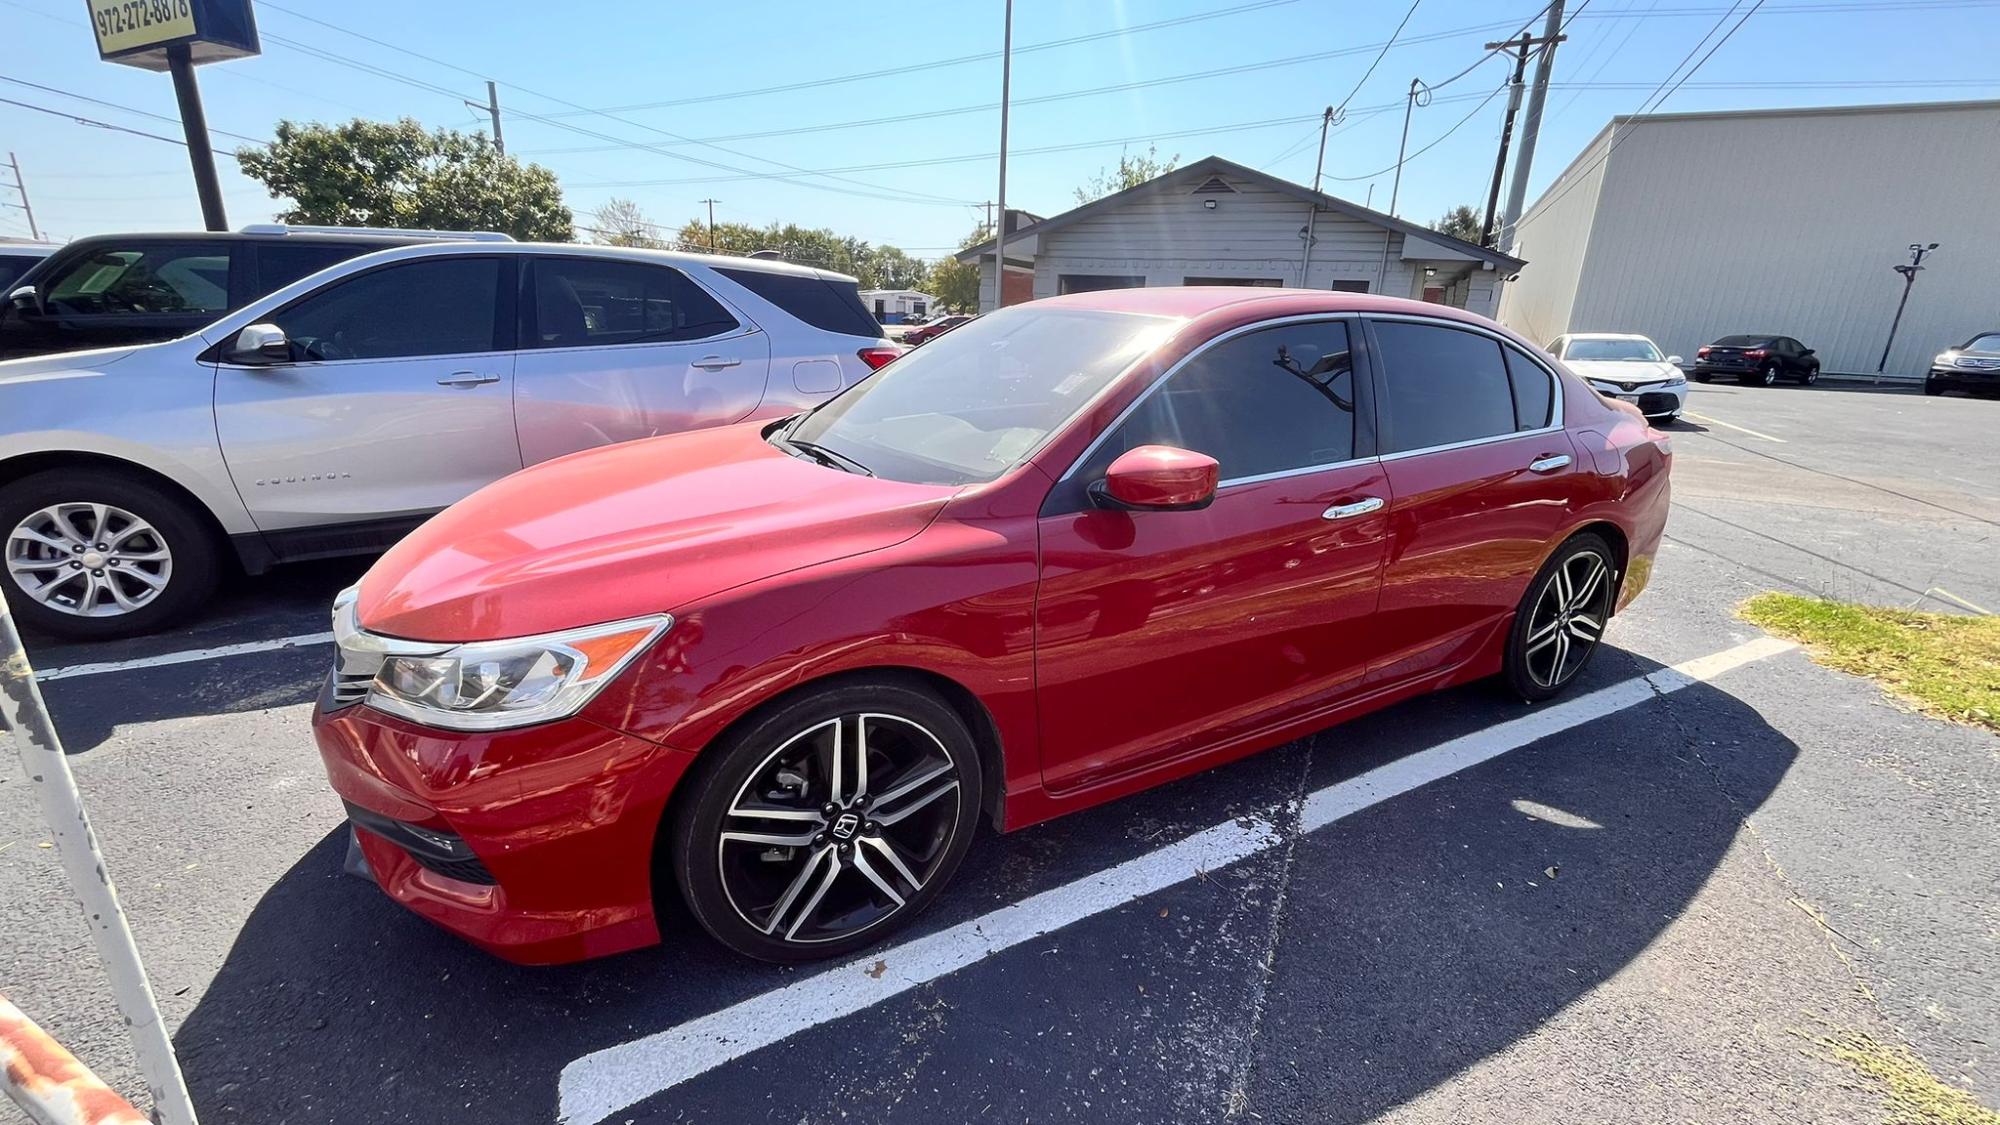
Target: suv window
[
  {"x": 13, "y": 266},
  {"x": 581, "y": 302},
  {"x": 1267, "y": 401},
  {"x": 280, "y": 264},
  {"x": 170, "y": 278},
  {"x": 831, "y": 306},
  {"x": 436, "y": 306},
  {"x": 1443, "y": 386}
]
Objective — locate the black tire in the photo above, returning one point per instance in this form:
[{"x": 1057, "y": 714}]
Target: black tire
[
  {"x": 1767, "y": 375},
  {"x": 772, "y": 902},
  {"x": 1521, "y": 666},
  {"x": 1703, "y": 377},
  {"x": 1809, "y": 376},
  {"x": 191, "y": 568},
  {"x": 1933, "y": 387}
]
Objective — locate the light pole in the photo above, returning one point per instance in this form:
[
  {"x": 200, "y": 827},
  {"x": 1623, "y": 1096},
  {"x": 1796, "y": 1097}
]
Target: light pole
[
  {"x": 1000, "y": 228},
  {"x": 1917, "y": 252}
]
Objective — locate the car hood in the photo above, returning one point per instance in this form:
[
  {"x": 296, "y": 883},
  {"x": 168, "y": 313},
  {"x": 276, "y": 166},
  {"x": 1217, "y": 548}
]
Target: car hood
[
  {"x": 60, "y": 365},
  {"x": 1624, "y": 372},
  {"x": 643, "y": 527}
]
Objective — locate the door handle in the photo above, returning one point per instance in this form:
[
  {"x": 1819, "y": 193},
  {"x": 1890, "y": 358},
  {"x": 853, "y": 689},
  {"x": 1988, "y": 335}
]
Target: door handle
[
  {"x": 1549, "y": 463},
  {"x": 1360, "y": 507},
  {"x": 466, "y": 379},
  {"x": 716, "y": 362}
]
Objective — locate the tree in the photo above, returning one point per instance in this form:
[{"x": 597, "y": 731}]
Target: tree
[
  {"x": 955, "y": 284},
  {"x": 1132, "y": 171},
  {"x": 381, "y": 174},
  {"x": 1461, "y": 222},
  {"x": 888, "y": 267},
  {"x": 730, "y": 238},
  {"x": 620, "y": 223}
]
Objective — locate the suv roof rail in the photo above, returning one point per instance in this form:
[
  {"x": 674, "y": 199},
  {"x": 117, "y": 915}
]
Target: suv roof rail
[{"x": 380, "y": 232}]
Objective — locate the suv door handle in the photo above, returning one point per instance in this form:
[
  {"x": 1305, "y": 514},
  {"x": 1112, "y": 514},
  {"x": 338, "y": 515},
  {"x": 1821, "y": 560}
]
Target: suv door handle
[
  {"x": 716, "y": 362},
  {"x": 1360, "y": 507},
  {"x": 1548, "y": 463},
  {"x": 466, "y": 379}
]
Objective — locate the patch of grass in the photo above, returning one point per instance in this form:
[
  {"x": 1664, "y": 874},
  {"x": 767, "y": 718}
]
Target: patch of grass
[
  {"x": 1944, "y": 664},
  {"x": 1915, "y": 1096}
]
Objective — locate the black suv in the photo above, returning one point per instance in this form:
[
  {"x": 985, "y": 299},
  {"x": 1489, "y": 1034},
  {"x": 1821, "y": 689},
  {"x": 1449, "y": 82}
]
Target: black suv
[
  {"x": 1759, "y": 358},
  {"x": 1972, "y": 366},
  {"x": 114, "y": 289}
]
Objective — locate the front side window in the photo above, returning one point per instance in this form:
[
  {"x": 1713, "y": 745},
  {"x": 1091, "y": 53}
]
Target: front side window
[
  {"x": 1622, "y": 351},
  {"x": 187, "y": 278},
  {"x": 436, "y": 306},
  {"x": 1269, "y": 401},
  {"x": 1990, "y": 342},
  {"x": 580, "y": 302},
  {"x": 1443, "y": 386},
  {"x": 973, "y": 402}
]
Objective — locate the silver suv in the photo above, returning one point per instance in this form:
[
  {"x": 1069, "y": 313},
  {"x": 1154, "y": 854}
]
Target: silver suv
[{"x": 339, "y": 412}]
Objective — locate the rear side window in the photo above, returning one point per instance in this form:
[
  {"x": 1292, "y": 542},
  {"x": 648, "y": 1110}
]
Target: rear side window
[
  {"x": 1443, "y": 386},
  {"x": 1534, "y": 393},
  {"x": 163, "y": 278},
  {"x": 831, "y": 306},
  {"x": 278, "y": 265},
  {"x": 582, "y": 302}
]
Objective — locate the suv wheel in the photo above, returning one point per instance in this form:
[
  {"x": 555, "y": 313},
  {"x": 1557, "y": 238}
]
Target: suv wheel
[{"x": 91, "y": 554}]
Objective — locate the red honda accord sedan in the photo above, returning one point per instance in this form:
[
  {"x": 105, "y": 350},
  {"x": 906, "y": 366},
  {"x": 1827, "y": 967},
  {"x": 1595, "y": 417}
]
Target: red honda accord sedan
[{"x": 1076, "y": 548}]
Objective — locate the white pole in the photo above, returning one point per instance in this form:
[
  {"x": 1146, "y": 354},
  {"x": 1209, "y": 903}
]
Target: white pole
[
  {"x": 1000, "y": 230},
  {"x": 34, "y": 733}
]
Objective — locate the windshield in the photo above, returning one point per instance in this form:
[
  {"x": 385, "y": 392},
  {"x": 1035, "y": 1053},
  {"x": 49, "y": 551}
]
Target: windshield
[
  {"x": 1989, "y": 342},
  {"x": 1632, "y": 350},
  {"x": 969, "y": 405}
]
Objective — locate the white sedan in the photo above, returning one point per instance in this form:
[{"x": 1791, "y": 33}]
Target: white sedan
[{"x": 1625, "y": 366}]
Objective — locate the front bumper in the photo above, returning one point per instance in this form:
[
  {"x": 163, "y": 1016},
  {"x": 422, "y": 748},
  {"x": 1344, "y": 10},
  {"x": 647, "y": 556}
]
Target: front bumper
[
  {"x": 560, "y": 818},
  {"x": 1654, "y": 400},
  {"x": 1965, "y": 378}
]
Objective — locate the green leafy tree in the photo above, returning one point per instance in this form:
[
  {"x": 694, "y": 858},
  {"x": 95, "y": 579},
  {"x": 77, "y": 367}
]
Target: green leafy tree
[
  {"x": 620, "y": 223},
  {"x": 1132, "y": 171},
  {"x": 1461, "y": 222},
  {"x": 730, "y": 238},
  {"x": 955, "y": 284},
  {"x": 888, "y": 267},
  {"x": 384, "y": 174}
]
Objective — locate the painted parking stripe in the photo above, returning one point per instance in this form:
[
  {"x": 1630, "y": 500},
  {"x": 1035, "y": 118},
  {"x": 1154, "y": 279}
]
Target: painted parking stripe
[
  {"x": 189, "y": 656},
  {"x": 1733, "y": 426},
  {"x": 601, "y": 1083}
]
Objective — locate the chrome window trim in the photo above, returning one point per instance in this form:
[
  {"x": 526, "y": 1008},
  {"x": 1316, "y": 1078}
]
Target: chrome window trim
[
  {"x": 1555, "y": 386},
  {"x": 1298, "y": 472},
  {"x": 1170, "y": 372}
]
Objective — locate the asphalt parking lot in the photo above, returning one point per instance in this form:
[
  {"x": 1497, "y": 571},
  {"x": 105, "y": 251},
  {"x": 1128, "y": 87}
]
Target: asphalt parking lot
[{"x": 1665, "y": 898}]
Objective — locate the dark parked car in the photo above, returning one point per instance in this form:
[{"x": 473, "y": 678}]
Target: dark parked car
[
  {"x": 1972, "y": 366},
  {"x": 117, "y": 289},
  {"x": 17, "y": 258},
  {"x": 932, "y": 329},
  {"x": 1760, "y": 358}
]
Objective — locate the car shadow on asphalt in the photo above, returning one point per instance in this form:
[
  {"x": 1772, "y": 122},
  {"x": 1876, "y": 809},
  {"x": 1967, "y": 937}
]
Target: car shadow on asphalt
[{"x": 1397, "y": 965}]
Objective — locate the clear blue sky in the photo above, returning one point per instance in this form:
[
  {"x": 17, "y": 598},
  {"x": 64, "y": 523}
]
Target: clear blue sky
[{"x": 597, "y": 54}]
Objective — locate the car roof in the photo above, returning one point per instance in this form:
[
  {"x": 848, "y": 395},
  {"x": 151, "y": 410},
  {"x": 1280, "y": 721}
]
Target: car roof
[
  {"x": 593, "y": 250},
  {"x": 1607, "y": 336}
]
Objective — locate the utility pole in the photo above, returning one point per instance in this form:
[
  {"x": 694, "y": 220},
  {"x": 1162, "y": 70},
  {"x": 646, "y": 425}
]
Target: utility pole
[
  {"x": 1000, "y": 229},
  {"x": 1531, "y": 127},
  {"x": 21, "y": 186},
  {"x": 1917, "y": 252},
  {"x": 1312, "y": 212},
  {"x": 1396, "y": 186},
  {"x": 194, "y": 123},
  {"x": 711, "y": 223},
  {"x": 492, "y": 107},
  {"x": 1506, "y": 130}
]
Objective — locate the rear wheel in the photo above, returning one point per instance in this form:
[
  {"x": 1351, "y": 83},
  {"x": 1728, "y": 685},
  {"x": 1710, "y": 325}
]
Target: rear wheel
[
  {"x": 1768, "y": 374},
  {"x": 1703, "y": 377},
  {"x": 827, "y": 824},
  {"x": 1810, "y": 376},
  {"x": 92, "y": 553},
  {"x": 1561, "y": 618}
]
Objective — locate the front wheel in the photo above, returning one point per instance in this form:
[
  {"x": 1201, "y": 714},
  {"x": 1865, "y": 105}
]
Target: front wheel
[
  {"x": 1933, "y": 387},
  {"x": 1561, "y": 618},
  {"x": 829, "y": 823},
  {"x": 91, "y": 554}
]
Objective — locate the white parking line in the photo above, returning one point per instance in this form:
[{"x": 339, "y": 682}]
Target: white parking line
[
  {"x": 1733, "y": 426},
  {"x": 601, "y": 1083},
  {"x": 189, "y": 656}
]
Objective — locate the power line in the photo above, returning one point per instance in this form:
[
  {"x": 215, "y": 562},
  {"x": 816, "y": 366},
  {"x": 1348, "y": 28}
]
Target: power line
[
  {"x": 121, "y": 108},
  {"x": 1440, "y": 139},
  {"x": 94, "y": 123},
  {"x": 1376, "y": 61}
]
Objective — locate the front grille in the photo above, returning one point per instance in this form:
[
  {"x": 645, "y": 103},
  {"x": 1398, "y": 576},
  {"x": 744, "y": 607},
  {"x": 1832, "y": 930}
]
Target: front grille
[
  {"x": 434, "y": 849},
  {"x": 1657, "y": 404}
]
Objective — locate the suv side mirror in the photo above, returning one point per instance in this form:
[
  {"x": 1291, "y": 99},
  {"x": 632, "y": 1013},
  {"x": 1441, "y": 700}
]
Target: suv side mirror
[
  {"x": 26, "y": 299},
  {"x": 259, "y": 345},
  {"x": 1158, "y": 478},
  {"x": 1674, "y": 359}
]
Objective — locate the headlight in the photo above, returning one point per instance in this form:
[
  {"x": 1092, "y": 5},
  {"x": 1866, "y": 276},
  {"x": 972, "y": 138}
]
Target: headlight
[
  {"x": 1944, "y": 359},
  {"x": 1676, "y": 379},
  {"x": 491, "y": 685}
]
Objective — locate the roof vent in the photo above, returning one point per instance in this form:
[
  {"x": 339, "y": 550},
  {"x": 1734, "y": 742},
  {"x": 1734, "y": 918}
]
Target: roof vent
[{"x": 1214, "y": 185}]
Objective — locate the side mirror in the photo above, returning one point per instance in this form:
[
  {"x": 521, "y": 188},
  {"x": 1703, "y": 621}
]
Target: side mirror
[
  {"x": 1808, "y": 351},
  {"x": 259, "y": 345},
  {"x": 1674, "y": 359},
  {"x": 25, "y": 299},
  {"x": 1158, "y": 478}
]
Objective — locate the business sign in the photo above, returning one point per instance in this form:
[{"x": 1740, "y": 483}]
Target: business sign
[{"x": 139, "y": 32}]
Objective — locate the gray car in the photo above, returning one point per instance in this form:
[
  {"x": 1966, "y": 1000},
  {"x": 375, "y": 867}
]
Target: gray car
[{"x": 334, "y": 415}]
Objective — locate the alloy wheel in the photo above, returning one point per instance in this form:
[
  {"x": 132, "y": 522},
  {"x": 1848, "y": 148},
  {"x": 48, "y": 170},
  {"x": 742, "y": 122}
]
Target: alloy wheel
[
  {"x": 1769, "y": 374},
  {"x": 838, "y": 828},
  {"x": 1568, "y": 619},
  {"x": 89, "y": 560}
]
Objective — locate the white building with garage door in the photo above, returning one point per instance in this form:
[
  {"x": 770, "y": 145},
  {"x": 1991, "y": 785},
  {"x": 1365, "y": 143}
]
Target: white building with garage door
[
  {"x": 1216, "y": 222},
  {"x": 1689, "y": 226}
]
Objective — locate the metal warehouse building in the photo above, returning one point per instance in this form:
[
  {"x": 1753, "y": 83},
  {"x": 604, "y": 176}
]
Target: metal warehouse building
[{"x": 1686, "y": 227}]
